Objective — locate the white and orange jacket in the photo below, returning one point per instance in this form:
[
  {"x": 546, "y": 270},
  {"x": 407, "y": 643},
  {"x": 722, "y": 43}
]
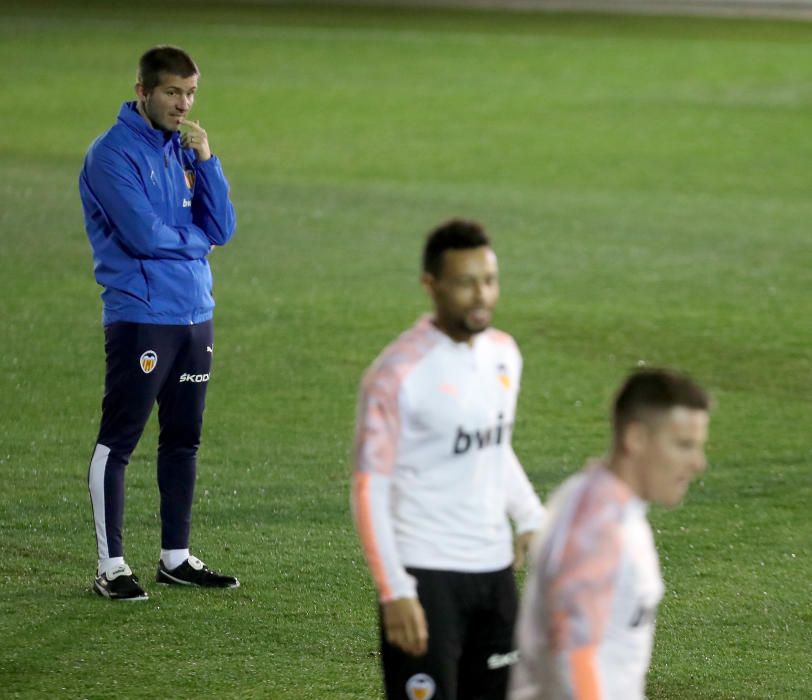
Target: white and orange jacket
[
  {"x": 436, "y": 479},
  {"x": 586, "y": 625}
]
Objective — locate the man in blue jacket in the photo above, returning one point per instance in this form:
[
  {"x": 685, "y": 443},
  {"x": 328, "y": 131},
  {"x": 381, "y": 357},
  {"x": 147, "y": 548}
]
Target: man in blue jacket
[{"x": 155, "y": 203}]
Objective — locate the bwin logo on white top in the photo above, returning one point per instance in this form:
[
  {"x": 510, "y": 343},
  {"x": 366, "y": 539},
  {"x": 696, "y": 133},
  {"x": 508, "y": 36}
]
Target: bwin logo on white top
[{"x": 480, "y": 439}]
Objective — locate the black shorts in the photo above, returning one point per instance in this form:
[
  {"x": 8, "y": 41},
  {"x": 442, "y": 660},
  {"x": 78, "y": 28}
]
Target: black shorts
[{"x": 470, "y": 623}]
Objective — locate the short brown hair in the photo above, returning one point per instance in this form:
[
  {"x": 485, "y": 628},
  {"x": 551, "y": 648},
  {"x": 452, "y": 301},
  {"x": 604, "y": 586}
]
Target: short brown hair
[
  {"x": 653, "y": 390},
  {"x": 164, "y": 59}
]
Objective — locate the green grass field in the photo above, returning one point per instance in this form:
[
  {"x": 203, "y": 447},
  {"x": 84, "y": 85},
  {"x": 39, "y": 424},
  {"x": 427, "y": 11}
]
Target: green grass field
[{"x": 646, "y": 183}]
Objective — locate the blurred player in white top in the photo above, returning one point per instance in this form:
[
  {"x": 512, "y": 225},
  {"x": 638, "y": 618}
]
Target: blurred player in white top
[
  {"x": 586, "y": 625},
  {"x": 437, "y": 483}
]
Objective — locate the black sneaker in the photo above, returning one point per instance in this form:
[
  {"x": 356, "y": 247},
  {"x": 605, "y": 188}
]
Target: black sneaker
[
  {"x": 194, "y": 572},
  {"x": 119, "y": 585}
]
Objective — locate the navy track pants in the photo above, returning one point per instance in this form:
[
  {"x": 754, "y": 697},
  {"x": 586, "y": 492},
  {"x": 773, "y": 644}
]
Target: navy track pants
[{"x": 148, "y": 363}]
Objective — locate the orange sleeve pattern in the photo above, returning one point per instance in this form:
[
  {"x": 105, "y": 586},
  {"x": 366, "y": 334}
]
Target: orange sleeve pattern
[
  {"x": 365, "y": 525},
  {"x": 378, "y": 424},
  {"x": 584, "y": 673},
  {"x": 579, "y": 593},
  {"x": 378, "y": 429}
]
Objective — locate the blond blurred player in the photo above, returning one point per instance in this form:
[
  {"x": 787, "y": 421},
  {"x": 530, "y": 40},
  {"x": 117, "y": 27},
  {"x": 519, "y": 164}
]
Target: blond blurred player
[
  {"x": 437, "y": 483},
  {"x": 586, "y": 625}
]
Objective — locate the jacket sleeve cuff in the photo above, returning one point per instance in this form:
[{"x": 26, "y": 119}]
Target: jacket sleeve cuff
[{"x": 212, "y": 162}]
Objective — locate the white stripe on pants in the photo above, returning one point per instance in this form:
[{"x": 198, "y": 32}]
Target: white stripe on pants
[{"x": 95, "y": 482}]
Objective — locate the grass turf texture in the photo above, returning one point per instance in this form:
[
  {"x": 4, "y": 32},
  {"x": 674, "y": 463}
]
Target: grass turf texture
[{"x": 646, "y": 185}]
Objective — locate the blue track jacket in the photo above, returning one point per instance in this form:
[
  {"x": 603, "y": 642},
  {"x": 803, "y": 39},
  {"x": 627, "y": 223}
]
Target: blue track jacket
[{"x": 152, "y": 213}]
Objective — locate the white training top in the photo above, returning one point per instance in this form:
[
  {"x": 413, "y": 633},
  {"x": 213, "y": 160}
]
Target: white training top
[
  {"x": 586, "y": 625},
  {"x": 435, "y": 474}
]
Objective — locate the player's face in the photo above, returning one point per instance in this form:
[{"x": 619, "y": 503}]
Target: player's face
[
  {"x": 169, "y": 103},
  {"x": 672, "y": 454},
  {"x": 465, "y": 292}
]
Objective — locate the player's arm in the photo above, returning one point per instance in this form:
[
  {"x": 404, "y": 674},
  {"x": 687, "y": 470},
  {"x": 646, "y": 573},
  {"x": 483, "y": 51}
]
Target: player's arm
[
  {"x": 579, "y": 593},
  {"x": 117, "y": 187},
  {"x": 377, "y": 434},
  {"x": 523, "y": 505},
  {"x": 212, "y": 210},
  {"x": 524, "y": 508}
]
